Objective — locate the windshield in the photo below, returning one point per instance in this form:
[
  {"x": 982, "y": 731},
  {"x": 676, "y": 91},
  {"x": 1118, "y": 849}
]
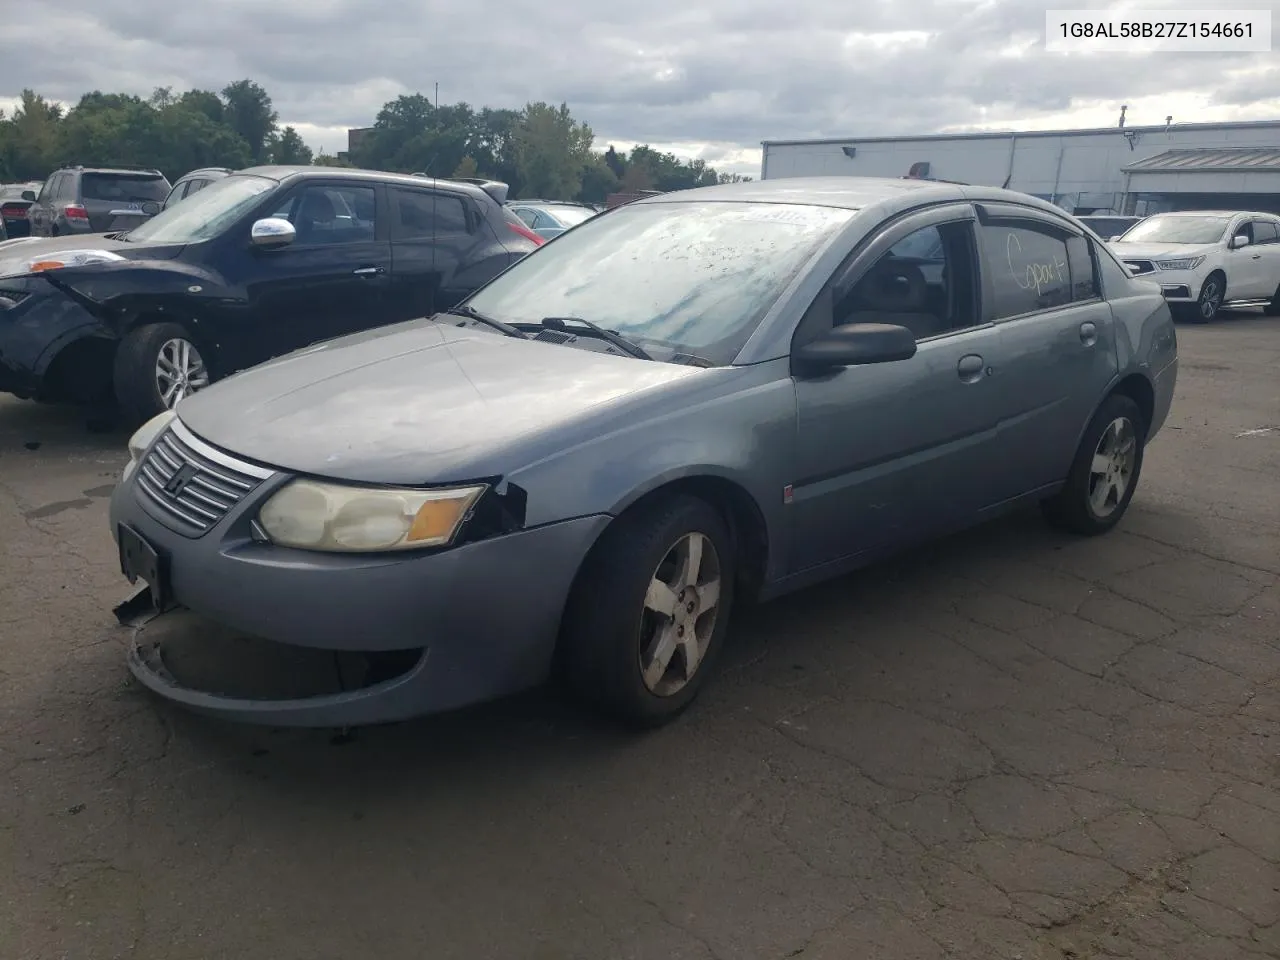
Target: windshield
[
  {"x": 204, "y": 214},
  {"x": 691, "y": 276},
  {"x": 1178, "y": 230}
]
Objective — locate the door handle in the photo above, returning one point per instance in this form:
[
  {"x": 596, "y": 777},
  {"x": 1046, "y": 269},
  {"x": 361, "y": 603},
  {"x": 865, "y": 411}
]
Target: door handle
[
  {"x": 1088, "y": 334},
  {"x": 971, "y": 367},
  {"x": 368, "y": 271},
  {"x": 1257, "y": 256}
]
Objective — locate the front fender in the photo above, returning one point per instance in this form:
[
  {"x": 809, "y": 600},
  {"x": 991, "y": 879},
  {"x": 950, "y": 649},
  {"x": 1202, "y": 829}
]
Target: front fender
[
  {"x": 118, "y": 292},
  {"x": 745, "y": 437}
]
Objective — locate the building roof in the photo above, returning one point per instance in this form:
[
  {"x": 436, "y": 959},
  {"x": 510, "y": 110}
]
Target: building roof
[
  {"x": 1029, "y": 134},
  {"x": 1211, "y": 160}
]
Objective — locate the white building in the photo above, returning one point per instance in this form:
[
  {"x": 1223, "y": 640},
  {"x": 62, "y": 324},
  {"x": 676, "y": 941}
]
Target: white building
[{"x": 1184, "y": 166}]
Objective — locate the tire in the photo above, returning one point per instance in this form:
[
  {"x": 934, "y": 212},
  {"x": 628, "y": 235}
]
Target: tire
[
  {"x": 1209, "y": 303},
  {"x": 611, "y": 631},
  {"x": 142, "y": 358},
  {"x": 1272, "y": 309},
  {"x": 1117, "y": 437}
]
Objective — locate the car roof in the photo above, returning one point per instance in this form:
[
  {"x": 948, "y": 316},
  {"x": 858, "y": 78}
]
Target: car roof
[
  {"x": 1217, "y": 213},
  {"x": 144, "y": 171},
  {"x": 852, "y": 193},
  {"x": 283, "y": 173},
  {"x": 203, "y": 171}
]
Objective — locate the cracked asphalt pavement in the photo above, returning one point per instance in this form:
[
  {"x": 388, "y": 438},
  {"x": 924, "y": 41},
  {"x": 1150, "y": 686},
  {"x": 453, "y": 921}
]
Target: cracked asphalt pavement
[{"x": 1009, "y": 745}]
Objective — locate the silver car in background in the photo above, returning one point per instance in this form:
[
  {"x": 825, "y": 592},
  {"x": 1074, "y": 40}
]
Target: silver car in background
[{"x": 707, "y": 396}]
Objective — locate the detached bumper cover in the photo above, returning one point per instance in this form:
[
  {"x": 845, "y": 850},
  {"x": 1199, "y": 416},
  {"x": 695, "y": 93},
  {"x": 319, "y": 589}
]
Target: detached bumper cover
[
  {"x": 36, "y": 322},
  {"x": 485, "y": 615}
]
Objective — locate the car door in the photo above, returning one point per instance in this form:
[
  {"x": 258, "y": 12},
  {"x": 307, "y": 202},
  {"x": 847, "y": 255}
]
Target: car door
[
  {"x": 1057, "y": 335},
  {"x": 891, "y": 453},
  {"x": 1244, "y": 267},
  {"x": 1266, "y": 253},
  {"x": 331, "y": 280},
  {"x": 434, "y": 239}
]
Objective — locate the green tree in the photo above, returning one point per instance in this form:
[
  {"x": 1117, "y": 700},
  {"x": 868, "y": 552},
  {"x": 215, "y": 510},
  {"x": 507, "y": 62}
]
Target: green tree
[
  {"x": 31, "y": 142},
  {"x": 467, "y": 169},
  {"x": 206, "y": 102},
  {"x": 323, "y": 159},
  {"x": 289, "y": 149},
  {"x": 551, "y": 150},
  {"x": 251, "y": 115},
  {"x": 598, "y": 180}
]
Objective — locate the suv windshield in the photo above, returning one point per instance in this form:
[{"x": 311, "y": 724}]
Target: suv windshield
[
  {"x": 204, "y": 214},
  {"x": 1178, "y": 230},
  {"x": 691, "y": 276},
  {"x": 123, "y": 187}
]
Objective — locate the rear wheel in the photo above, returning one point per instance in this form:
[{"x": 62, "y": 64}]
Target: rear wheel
[
  {"x": 1272, "y": 309},
  {"x": 157, "y": 365},
  {"x": 1104, "y": 474},
  {"x": 649, "y": 613}
]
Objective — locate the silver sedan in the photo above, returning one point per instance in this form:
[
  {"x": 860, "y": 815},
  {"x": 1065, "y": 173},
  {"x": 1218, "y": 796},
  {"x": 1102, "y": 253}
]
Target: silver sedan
[{"x": 694, "y": 399}]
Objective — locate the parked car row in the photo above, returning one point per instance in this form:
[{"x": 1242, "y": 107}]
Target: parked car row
[
  {"x": 253, "y": 265},
  {"x": 703, "y": 396}
]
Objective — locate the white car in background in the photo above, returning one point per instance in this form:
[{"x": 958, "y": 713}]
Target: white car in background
[{"x": 1204, "y": 259}]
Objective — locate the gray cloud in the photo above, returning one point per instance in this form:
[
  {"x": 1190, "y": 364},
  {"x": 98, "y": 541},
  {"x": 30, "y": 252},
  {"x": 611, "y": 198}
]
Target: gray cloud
[{"x": 667, "y": 71}]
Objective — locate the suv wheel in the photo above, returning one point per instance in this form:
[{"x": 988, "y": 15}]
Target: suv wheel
[{"x": 156, "y": 366}]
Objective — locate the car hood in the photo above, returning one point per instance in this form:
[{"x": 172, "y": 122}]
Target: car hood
[
  {"x": 421, "y": 402},
  {"x": 1160, "y": 251},
  {"x": 17, "y": 253}
]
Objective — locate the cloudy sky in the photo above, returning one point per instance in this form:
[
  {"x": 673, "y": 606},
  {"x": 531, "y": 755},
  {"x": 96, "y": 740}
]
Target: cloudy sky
[{"x": 708, "y": 79}]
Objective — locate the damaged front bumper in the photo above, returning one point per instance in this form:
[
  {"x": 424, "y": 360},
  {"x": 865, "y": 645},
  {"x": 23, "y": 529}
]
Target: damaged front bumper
[{"x": 243, "y": 622}]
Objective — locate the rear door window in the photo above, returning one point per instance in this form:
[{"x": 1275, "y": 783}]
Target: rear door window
[
  {"x": 123, "y": 188},
  {"x": 422, "y": 214},
  {"x": 1028, "y": 266}
]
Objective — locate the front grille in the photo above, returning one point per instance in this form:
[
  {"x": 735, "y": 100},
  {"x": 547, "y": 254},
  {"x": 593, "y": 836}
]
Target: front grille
[
  {"x": 1141, "y": 266},
  {"x": 210, "y": 486}
]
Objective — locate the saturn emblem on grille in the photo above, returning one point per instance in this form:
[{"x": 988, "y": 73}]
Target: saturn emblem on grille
[{"x": 178, "y": 482}]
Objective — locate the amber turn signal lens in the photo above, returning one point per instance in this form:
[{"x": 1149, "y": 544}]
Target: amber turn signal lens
[{"x": 437, "y": 519}]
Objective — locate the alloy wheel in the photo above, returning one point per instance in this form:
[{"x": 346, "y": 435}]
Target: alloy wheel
[
  {"x": 681, "y": 607},
  {"x": 1111, "y": 472},
  {"x": 180, "y": 370},
  {"x": 1210, "y": 299}
]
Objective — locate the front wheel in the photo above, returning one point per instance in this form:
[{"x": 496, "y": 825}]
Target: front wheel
[
  {"x": 649, "y": 613},
  {"x": 1209, "y": 303},
  {"x": 156, "y": 366},
  {"x": 1104, "y": 474}
]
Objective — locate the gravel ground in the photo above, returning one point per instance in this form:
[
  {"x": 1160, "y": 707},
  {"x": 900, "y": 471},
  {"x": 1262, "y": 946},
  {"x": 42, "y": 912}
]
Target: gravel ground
[{"x": 1009, "y": 745}]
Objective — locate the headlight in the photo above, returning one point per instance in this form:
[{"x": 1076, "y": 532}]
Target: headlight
[
  {"x": 342, "y": 519},
  {"x": 1190, "y": 263},
  {"x": 146, "y": 435},
  {"x": 70, "y": 258}
]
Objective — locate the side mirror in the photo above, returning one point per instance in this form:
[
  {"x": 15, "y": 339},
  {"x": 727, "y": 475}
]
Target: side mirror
[
  {"x": 1115, "y": 238},
  {"x": 856, "y": 344},
  {"x": 29, "y": 195},
  {"x": 271, "y": 233},
  {"x": 1238, "y": 241}
]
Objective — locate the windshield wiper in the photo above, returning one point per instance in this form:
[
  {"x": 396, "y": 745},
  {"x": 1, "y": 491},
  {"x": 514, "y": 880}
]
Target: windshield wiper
[
  {"x": 619, "y": 341},
  {"x": 473, "y": 314}
]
